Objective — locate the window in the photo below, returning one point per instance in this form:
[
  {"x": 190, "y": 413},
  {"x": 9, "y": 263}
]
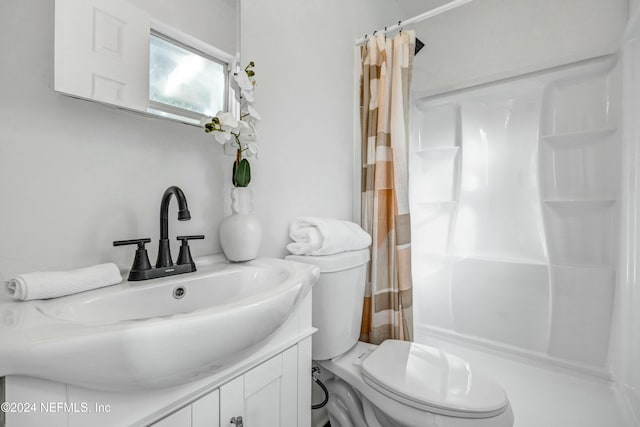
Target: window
[{"x": 184, "y": 82}]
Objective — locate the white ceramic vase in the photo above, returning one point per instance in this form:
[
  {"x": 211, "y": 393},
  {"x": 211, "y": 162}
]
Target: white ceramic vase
[{"x": 240, "y": 233}]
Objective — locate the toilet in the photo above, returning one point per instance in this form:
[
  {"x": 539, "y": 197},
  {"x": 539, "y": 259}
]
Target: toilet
[{"x": 396, "y": 383}]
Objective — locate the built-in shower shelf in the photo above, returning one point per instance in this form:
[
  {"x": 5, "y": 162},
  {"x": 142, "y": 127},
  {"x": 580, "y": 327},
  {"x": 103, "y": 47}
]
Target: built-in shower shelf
[
  {"x": 502, "y": 259},
  {"x": 578, "y": 203},
  {"x": 599, "y": 267},
  {"x": 595, "y": 202},
  {"x": 577, "y": 138},
  {"x": 439, "y": 148}
]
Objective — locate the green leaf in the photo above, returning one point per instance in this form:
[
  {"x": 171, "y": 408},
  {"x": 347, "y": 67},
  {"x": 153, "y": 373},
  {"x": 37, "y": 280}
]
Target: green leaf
[
  {"x": 242, "y": 173},
  {"x": 233, "y": 175}
]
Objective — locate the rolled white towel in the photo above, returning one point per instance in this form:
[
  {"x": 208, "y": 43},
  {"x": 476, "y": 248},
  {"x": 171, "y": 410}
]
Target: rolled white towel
[
  {"x": 44, "y": 285},
  {"x": 323, "y": 236}
]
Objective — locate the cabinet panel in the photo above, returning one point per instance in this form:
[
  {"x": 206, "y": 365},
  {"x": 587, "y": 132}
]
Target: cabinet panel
[
  {"x": 232, "y": 401},
  {"x": 262, "y": 408},
  {"x": 262, "y": 375},
  {"x": 266, "y": 396},
  {"x": 27, "y": 389},
  {"x": 205, "y": 412},
  {"x": 181, "y": 418},
  {"x": 289, "y": 393}
]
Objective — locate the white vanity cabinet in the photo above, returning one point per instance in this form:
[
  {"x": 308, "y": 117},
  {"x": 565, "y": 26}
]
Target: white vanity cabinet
[
  {"x": 265, "y": 396},
  {"x": 269, "y": 388}
]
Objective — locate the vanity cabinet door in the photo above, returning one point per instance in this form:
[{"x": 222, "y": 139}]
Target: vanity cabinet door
[
  {"x": 266, "y": 396},
  {"x": 181, "y": 418},
  {"x": 205, "y": 412}
]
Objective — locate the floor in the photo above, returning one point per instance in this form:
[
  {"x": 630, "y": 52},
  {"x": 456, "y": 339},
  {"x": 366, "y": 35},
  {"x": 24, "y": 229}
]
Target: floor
[{"x": 544, "y": 396}]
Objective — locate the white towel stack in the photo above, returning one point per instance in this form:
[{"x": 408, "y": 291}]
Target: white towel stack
[
  {"x": 44, "y": 285},
  {"x": 323, "y": 236}
]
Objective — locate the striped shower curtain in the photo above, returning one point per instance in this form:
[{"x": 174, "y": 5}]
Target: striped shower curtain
[{"x": 384, "y": 108}]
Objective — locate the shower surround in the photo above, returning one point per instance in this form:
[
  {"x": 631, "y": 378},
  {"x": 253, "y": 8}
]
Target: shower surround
[{"x": 514, "y": 199}]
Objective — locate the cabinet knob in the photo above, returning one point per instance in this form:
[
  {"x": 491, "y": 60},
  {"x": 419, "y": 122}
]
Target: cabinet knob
[{"x": 237, "y": 421}]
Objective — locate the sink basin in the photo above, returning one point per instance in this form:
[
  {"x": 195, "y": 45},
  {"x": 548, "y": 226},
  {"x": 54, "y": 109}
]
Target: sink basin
[
  {"x": 153, "y": 334},
  {"x": 219, "y": 286}
]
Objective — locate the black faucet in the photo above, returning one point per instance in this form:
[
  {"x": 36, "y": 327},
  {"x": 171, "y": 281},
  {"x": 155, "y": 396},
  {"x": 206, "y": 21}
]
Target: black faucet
[
  {"x": 141, "y": 269},
  {"x": 164, "y": 252}
]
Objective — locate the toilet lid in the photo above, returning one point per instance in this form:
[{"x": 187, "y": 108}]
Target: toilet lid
[{"x": 430, "y": 379}]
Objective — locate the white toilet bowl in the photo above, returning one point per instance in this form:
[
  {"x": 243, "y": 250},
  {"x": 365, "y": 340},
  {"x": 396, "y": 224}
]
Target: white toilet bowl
[
  {"x": 395, "y": 384},
  {"x": 411, "y": 385}
]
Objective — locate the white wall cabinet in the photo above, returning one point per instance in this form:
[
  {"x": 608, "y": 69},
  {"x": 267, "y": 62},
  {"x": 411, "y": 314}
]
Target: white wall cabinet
[{"x": 102, "y": 51}]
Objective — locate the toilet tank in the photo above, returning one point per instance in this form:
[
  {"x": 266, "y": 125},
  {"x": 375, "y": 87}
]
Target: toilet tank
[{"x": 337, "y": 301}]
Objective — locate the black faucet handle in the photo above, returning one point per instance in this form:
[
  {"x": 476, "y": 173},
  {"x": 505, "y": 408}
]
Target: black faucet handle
[
  {"x": 139, "y": 242},
  {"x": 185, "y": 239},
  {"x": 184, "y": 257},
  {"x": 141, "y": 260}
]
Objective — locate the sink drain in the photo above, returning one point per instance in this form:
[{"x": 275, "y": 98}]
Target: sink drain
[{"x": 179, "y": 292}]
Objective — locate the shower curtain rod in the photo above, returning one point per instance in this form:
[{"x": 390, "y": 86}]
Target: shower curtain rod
[{"x": 429, "y": 14}]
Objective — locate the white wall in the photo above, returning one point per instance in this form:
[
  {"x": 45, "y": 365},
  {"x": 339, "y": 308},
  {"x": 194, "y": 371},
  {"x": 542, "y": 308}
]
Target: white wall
[
  {"x": 304, "y": 55},
  {"x": 489, "y": 39},
  {"x": 77, "y": 175}
]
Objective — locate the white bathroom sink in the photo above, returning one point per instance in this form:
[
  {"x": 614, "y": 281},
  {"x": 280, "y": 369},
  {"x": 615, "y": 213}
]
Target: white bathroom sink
[{"x": 139, "y": 335}]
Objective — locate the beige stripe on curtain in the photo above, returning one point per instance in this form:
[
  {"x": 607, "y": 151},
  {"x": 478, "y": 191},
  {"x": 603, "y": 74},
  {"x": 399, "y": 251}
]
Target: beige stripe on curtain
[{"x": 384, "y": 111}]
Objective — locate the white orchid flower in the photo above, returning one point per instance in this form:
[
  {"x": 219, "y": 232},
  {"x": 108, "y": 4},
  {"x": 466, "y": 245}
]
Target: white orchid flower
[
  {"x": 222, "y": 137},
  {"x": 253, "y": 114},
  {"x": 228, "y": 121},
  {"x": 246, "y": 132},
  {"x": 240, "y": 132},
  {"x": 243, "y": 81},
  {"x": 246, "y": 135},
  {"x": 244, "y": 107},
  {"x": 248, "y": 95},
  {"x": 252, "y": 149},
  {"x": 243, "y": 86}
]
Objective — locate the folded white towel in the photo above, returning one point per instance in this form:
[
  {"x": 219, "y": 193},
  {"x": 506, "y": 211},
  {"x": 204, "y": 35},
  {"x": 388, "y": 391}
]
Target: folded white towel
[
  {"x": 322, "y": 236},
  {"x": 43, "y": 285}
]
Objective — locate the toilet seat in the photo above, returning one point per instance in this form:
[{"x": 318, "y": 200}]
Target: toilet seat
[{"x": 431, "y": 380}]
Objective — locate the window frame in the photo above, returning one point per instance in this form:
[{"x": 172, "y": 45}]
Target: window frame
[{"x": 198, "y": 47}]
